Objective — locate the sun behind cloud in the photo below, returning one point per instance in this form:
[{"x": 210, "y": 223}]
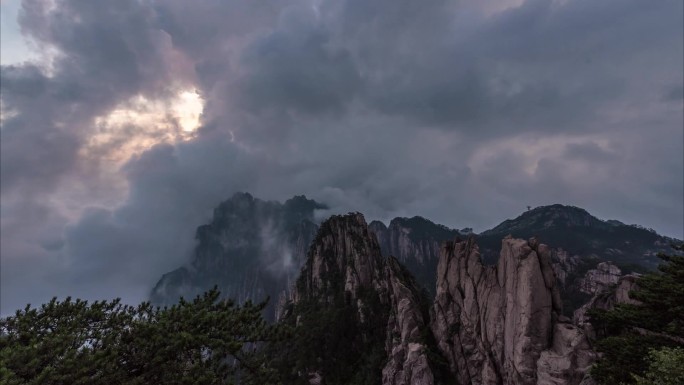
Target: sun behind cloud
[
  {"x": 188, "y": 109},
  {"x": 140, "y": 123}
]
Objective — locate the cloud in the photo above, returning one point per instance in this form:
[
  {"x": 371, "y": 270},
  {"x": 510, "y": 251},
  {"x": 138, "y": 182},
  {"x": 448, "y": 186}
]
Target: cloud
[{"x": 464, "y": 112}]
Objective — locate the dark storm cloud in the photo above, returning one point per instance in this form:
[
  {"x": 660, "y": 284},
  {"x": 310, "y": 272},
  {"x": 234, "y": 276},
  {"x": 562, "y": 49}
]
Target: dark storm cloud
[
  {"x": 295, "y": 68},
  {"x": 443, "y": 109},
  {"x": 109, "y": 48},
  {"x": 51, "y": 148},
  {"x": 674, "y": 93},
  {"x": 102, "y": 55},
  {"x": 105, "y": 53}
]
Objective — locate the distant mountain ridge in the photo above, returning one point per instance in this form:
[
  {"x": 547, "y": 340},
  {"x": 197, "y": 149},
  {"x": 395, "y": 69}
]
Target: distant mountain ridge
[
  {"x": 254, "y": 249},
  {"x": 578, "y": 244},
  {"x": 416, "y": 302},
  {"x": 576, "y": 231},
  {"x": 415, "y": 242},
  {"x": 251, "y": 249}
]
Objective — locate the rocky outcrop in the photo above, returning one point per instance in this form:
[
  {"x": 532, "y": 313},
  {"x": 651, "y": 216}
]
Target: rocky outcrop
[
  {"x": 344, "y": 258},
  {"x": 345, "y": 268},
  {"x": 606, "y": 299},
  {"x": 501, "y": 324},
  {"x": 414, "y": 238},
  {"x": 251, "y": 250},
  {"x": 564, "y": 265},
  {"x": 416, "y": 243},
  {"x": 405, "y": 346},
  {"x": 605, "y": 274}
]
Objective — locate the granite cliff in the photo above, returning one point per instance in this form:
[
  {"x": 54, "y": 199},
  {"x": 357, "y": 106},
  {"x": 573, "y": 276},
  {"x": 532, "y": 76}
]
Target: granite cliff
[
  {"x": 608, "y": 293},
  {"x": 358, "y": 315},
  {"x": 379, "y": 314},
  {"x": 490, "y": 324},
  {"x": 580, "y": 243},
  {"x": 252, "y": 250},
  {"x": 415, "y": 242},
  {"x": 502, "y": 324}
]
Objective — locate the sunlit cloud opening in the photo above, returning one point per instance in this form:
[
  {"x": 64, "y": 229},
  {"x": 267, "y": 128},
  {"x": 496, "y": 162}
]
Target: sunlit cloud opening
[
  {"x": 140, "y": 123},
  {"x": 188, "y": 108}
]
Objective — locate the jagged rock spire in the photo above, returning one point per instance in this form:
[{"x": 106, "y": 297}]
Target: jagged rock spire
[{"x": 501, "y": 324}]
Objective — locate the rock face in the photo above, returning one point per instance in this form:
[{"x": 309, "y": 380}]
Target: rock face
[
  {"x": 416, "y": 243},
  {"x": 580, "y": 241},
  {"x": 501, "y": 324},
  {"x": 251, "y": 250},
  {"x": 405, "y": 346},
  {"x": 564, "y": 266},
  {"x": 605, "y": 274},
  {"x": 345, "y": 269},
  {"x": 344, "y": 257},
  {"x": 606, "y": 298}
]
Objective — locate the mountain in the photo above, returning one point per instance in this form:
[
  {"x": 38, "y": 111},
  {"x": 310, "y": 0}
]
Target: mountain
[
  {"x": 416, "y": 302},
  {"x": 358, "y": 316},
  {"x": 579, "y": 233},
  {"x": 415, "y": 242},
  {"x": 252, "y": 249},
  {"x": 502, "y": 324},
  {"x": 579, "y": 244}
]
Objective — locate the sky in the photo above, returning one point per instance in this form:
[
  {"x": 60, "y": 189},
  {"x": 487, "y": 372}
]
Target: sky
[{"x": 124, "y": 123}]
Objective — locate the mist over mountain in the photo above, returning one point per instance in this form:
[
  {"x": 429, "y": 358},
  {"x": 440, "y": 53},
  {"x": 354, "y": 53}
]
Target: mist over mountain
[
  {"x": 254, "y": 249},
  {"x": 154, "y": 149},
  {"x": 123, "y": 125},
  {"x": 251, "y": 250}
]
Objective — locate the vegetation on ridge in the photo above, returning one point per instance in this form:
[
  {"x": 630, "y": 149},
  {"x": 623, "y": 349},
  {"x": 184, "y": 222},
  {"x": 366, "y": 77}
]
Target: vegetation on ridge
[
  {"x": 204, "y": 341},
  {"x": 641, "y": 338}
]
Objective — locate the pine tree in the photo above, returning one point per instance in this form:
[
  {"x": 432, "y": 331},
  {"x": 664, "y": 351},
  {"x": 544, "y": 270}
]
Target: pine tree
[
  {"x": 204, "y": 341},
  {"x": 630, "y": 334}
]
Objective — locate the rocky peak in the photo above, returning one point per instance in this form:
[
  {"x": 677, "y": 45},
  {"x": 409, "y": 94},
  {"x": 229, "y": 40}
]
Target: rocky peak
[
  {"x": 606, "y": 296},
  {"x": 346, "y": 270},
  {"x": 502, "y": 324},
  {"x": 605, "y": 274},
  {"x": 557, "y": 215},
  {"x": 415, "y": 242},
  {"x": 251, "y": 249},
  {"x": 344, "y": 254}
]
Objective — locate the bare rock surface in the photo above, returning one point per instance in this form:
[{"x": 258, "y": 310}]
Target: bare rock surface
[
  {"x": 603, "y": 276},
  {"x": 251, "y": 250},
  {"x": 607, "y": 298},
  {"x": 345, "y": 258},
  {"x": 416, "y": 243},
  {"x": 407, "y": 352},
  {"x": 500, "y": 324}
]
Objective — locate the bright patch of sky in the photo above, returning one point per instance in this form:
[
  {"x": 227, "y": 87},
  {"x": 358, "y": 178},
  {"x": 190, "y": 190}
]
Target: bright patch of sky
[
  {"x": 140, "y": 123},
  {"x": 13, "y": 46}
]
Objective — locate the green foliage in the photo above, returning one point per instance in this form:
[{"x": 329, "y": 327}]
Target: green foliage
[
  {"x": 663, "y": 297},
  {"x": 328, "y": 339},
  {"x": 623, "y": 355},
  {"x": 205, "y": 341},
  {"x": 578, "y": 232},
  {"x": 629, "y": 334},
  {"x": 665, "y": 367}
]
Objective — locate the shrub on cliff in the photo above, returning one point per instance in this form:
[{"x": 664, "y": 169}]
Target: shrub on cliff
[{"x": 635, "y": 339}]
